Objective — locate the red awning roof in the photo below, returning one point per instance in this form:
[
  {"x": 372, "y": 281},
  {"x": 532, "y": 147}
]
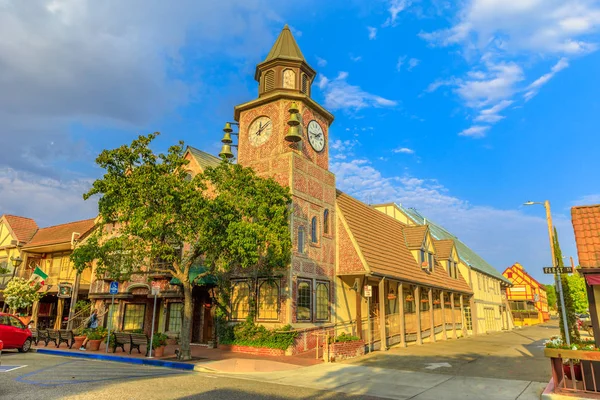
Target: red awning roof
[{"x": 592, "y": 279}]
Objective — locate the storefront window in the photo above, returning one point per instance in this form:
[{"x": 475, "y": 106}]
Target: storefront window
[
  {"x": 175, "y": 317},
  {"x": 268, "y": 300},
  {"x": 322, "y": 301},
  {"x": 303, "y": 302},
  {"x": 134, "y": 317},
  {"x": 240, "y": 300}
]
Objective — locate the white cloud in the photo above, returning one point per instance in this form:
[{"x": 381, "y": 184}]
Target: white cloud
[
  {"x": 321, "y": 62},
  {"x": 395, "y": 7},
  {"x": 355, "y": 58},
  {"x": 501, "y": 38},
  {"x": 404, "y": 150},
  {"x": 323, "y": 81},
  {"x": 476, "y": 131},
  {"x": 339, "y": 94},
  {"x": 412, "y": 63},
  {"x": 587, "y": 200},
  {"x": 491, "y": 114},
  {"x": 372, "y": 32},
  {"x": 48, "y": 201},
  {"x": 534, "y": 87},
  {"x": 400, "y": 63},
  {"x": 500, "y": 236}
]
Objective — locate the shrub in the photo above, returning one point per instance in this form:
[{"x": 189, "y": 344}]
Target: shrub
[
  {"x": 250, "y": 334},
  {"x": 345, "y": 337},
  {"x": 159, "y": 340},
  {"x": 97, "y": 334}
]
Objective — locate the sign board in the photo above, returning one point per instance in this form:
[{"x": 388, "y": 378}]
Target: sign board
[
  {"x": 558, "y": 270},
  {"x": 155, "y": 288},
  {"x": 65, "y": 290},
  {"x": 536, "y": 297},
  {"x": 368, "y": 291},
  {"x": 114, "y": 287}
]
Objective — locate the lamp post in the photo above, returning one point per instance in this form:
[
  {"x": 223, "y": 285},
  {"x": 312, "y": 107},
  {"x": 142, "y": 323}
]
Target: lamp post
[{"x": 557, "y": 279}]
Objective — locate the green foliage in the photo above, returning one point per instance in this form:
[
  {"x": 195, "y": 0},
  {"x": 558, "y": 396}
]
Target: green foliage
[
  {"x": 551, "y": 294},
  {"x": 568, "y": 297},
  {"x": 578, "y": 293},
  {"x": 346, "y": 337},
  {"x": 97, "y": 333},
  {"x": 154, "y": 219},
  {"x": 20, "y": 294},
  {"x": 82, "y": 305},
  {"x": 159, "y": 340},
  {"x": 250, "y": 334}
]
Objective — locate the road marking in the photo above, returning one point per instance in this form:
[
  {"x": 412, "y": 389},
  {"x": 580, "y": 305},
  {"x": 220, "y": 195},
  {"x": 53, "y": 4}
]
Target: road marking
[
  {"x": 438, "y": 365},
  {"x": 8, "y": 368}
]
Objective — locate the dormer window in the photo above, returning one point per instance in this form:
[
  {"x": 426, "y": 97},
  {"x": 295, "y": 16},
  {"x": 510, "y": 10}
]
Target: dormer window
[
  {"x": 453, "y": 269},
  {"x": 426, "y": 260}
]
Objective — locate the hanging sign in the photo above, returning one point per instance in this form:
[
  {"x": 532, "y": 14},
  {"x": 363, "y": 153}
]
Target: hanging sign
[
  {"x": 558, "y": 270},
  {"x": 368, "y": 291},
  {"x": 65, "y": 290},
  {"x": 155, "y": 288}
]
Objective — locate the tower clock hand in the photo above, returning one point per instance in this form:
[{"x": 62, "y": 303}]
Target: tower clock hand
[{"x": 261, "y": 127}]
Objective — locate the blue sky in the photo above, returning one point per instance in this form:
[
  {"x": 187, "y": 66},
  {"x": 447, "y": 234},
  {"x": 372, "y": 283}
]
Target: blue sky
[{"x": 463, "y": 110}]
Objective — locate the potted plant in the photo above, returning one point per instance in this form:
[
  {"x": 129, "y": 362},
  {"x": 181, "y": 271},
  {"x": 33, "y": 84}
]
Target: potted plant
[
  {"x": 95, "y": 337},
  {"x": 409, "y": 297},
  {"x": 159, "y": 341},
  {"x": 79, "y": 335}
]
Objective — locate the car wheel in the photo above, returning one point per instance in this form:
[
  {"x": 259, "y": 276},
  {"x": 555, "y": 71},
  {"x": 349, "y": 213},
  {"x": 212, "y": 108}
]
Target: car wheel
[{"x": 26, "y": 346}]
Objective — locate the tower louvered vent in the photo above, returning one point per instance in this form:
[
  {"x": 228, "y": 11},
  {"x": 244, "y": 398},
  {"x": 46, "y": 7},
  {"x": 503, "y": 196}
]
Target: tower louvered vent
[{"x": 269, "y": 81}]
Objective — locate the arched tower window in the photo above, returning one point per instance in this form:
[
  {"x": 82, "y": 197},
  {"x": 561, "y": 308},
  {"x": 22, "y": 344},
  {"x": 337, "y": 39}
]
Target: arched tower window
[
  {"x": 269, "y": 80},
  {"x": 314, "y": 230},
  {"x": 326, "y": 221},
  {"x": 289, "y": 79},
  {"x": 301, "y": 239},
  {"x": 304, "y": 84}
]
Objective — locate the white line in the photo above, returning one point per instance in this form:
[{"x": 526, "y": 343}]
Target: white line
[{"x": 12, "y": 369}]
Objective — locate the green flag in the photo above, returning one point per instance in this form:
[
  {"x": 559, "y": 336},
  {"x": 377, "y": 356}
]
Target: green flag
[{"x": 38, "y": 276}]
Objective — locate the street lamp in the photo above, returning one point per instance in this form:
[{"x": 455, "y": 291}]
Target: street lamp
[{"x": 557, "y": 279}]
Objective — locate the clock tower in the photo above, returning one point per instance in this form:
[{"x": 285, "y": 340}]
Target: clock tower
[{"x": 284, "y": 134}]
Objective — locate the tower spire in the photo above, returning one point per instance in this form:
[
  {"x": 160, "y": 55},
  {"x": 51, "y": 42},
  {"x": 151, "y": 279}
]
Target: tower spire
[{"x": 285, "y": 47}]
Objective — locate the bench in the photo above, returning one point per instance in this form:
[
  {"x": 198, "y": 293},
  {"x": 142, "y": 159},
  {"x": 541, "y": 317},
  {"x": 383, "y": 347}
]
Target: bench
[
  {"x": 53, "y": 336},
  {"x": 120, "y": 340},
  {"x": 35, "y": 336},
  {"x": 67, "y": 337},
  {"x": 138, "y": 339}
]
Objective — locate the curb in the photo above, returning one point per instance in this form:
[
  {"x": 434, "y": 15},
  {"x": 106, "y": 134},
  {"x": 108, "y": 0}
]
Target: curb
[{"x": 106, "y": 357}]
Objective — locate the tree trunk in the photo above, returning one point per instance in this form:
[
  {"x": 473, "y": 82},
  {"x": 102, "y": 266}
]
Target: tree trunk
[{"x": 188, "y": 306}]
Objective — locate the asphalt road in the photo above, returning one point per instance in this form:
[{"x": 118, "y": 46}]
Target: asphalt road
[{"x": 41, "y": 376}]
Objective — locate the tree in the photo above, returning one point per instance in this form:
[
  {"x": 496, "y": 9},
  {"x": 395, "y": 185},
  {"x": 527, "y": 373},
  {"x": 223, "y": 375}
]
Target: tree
[
  {"x": 20, "y": 293},
  {"x": 578, "y": 292},
  {"x": 153, "y": 218},
  {"x": 569, "y": 307},
  {"x": 551, "y": 295}
]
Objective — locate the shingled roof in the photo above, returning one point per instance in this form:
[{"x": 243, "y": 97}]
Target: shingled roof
[
  {"x": 415, "y": 236},
  {"x": 586, "y": 224},
  {"x": 285, "y": 47},
  {"x": 204, "y": 159},
  {"x": 23, "y": 228},
  {"x": 381, "y": 241},
  {"x": 443, "y": 248},
  {"x": 60, "y": 233},
  {"x": 465, "y": 253}
]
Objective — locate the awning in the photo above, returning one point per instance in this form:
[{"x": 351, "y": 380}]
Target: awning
[
  {"x": 592, "y": 279},
  {"x": 196, "y": 270}
]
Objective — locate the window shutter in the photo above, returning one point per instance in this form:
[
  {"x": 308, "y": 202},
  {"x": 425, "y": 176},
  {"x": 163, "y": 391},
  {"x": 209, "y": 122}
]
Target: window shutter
[
  {"x": 269, "y": 81},
  {"x": 304, "y": 84}
]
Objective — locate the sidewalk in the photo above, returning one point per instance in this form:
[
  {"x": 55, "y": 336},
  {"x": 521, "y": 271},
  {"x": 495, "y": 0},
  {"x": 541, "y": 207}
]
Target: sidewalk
[
  {"x": 397, "y": 384},
  {"x": 203, "y": 359}
]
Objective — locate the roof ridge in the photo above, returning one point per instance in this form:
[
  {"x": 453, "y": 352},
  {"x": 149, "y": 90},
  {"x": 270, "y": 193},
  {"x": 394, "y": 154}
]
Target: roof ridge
[
  {"x": 586, "y": 206},
  {"x": 16, "y": 216},
  {"x": 68, "y": 223}
]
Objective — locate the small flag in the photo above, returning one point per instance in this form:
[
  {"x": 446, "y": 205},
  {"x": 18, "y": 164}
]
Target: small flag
[{"x": 38, "y": 276}]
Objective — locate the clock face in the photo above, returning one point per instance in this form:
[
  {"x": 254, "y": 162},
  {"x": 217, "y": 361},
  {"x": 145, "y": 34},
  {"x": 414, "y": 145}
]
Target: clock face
[
  {"x": 316, "y": 136},
  {"x": 260, "y": 130}
]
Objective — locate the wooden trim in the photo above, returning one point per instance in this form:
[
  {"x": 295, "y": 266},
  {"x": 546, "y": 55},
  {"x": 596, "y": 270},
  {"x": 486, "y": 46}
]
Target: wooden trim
[
  {"x": 400, "y": 292},
  {"x": 417, "y": 295},
  {"x": 572, "y": 354}
]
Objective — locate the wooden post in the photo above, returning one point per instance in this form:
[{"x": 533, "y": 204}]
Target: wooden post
[
  {"x": 359, "y": 310},
  {"x": 402, "y": 319},
  {"x": 474, "y": 320},
  {"x": 444, "y": 334},
  {"x": 382, "y": 298},
  {"x": 59, "y": 313},
  {"x": 453, "y": 318},
  {"x": 417, "y": 294},
  {"x": 462, "y": 316},
  {"x": 431, "y": 319}
]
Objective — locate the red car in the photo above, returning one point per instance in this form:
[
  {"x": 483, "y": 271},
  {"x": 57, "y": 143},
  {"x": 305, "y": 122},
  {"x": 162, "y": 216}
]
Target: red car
[{"x": 14, "y": 334}]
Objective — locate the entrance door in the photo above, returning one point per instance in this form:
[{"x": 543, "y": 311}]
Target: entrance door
[
  {"x": 202, "y": 320},
  {"x": 489, "y": 320}
]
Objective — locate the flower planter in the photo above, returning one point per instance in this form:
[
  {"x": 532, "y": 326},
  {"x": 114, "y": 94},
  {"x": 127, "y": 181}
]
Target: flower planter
[
  {"x": 576, "y": 370},
  {"x": 159, "y": 351},
  {"x": 573, "y": 354},
  {"x": 78, "y": 341},
  {"x": 343, "y": 350},
  {"x": 94, "y": 345}
]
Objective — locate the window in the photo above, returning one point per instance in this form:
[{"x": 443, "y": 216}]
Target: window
[
  {"x": 268, "y": 300},
  {"x": 422, "y": 257},
  {"x": 188, "y": 176},
  {"x": 449, "y": 268},
  {"x": 113, "y": 323},
  {"x": 326, "y": 222},
  {"x": 289, "y": 79},
  {"x": 468, "y": 318},
  {"x": 424, "y": 304},
  {"x": 453, "y": 269},
  {"x": 174, "y": 317},
  {"x": 269, "y": 80},
  {"x": 15, "y": 322},
  {"x": 436, "y": 299},
  {"x": 314, "y": 230},
  {"x": 240, "y": 300},
  {"x": 322, "y": 301},
  {"x": 4, "y": 265},
  {"x": 300, "y": 239},
  {"x": 304, "y": 84},
  {"x": 303, "y": 302},
  {"x": 409, "y": 302},
  {"x": 134, "y": 317},
  {"x": 456, "y": 301}
]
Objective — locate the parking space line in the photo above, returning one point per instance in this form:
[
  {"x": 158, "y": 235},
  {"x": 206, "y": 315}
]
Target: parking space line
[{"x": 8, "y": 368}]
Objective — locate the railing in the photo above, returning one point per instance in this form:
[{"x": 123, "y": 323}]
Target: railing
[
  {"x": 80, "y": 317},
  {"x": 570, "y": 376},
  {"x": 82, "y": 321}
]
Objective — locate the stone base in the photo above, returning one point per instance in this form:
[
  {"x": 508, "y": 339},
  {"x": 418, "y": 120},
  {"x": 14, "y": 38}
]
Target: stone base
[
  {"x": 260, "y": 351},
  {"x": 344, "y": 350}
]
